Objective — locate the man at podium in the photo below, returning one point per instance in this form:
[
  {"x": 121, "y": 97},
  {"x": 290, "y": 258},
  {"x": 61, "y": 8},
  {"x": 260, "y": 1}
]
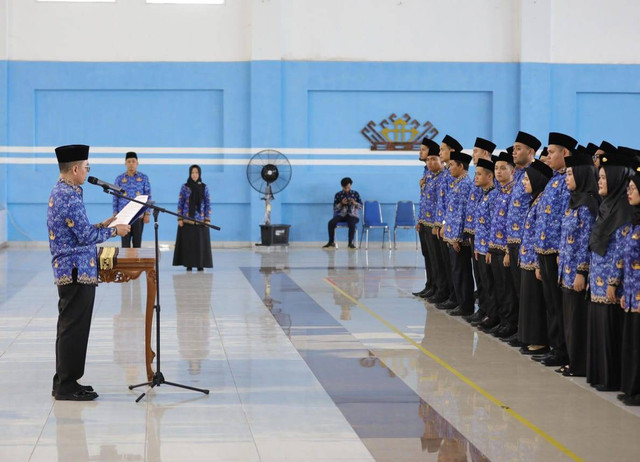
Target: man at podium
[{"x": 72, "y": 242}]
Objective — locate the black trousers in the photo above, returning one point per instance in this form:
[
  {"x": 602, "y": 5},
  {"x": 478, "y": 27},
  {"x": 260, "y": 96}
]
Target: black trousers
[
  {"x": 631, "y": 354},
  {"x": 604, "y": 340},
  {"x": 575, "y": 308},
  {"x": 423, "y": 231},
  {"x": 135, "y": 235},
  {"x": 351, "y": 221},
  {"x": 506, "y": 299},
  {"x": 434, "y": 254},
  {"x": 75, "y": 308},
  {"x": 446, "y": 260},
  {"x": 553, "y": 299},
  {"x": 462, "y": 278},
  {"x": 489, "y": 306},
  {"x": 514, "y": 268},
  {"x": 476, "y": 277},
  {"x": 532, "y": 316}
]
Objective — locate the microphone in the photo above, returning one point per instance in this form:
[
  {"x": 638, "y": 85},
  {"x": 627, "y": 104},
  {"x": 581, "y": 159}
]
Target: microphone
[{"x": 104, "y": 184}]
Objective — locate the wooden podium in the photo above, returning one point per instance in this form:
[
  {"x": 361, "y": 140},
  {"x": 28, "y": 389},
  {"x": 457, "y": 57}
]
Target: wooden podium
[{"x": 131, "y": 263}]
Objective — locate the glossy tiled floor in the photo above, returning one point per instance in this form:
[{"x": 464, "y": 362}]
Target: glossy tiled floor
[{"x": 309, "y": 355}]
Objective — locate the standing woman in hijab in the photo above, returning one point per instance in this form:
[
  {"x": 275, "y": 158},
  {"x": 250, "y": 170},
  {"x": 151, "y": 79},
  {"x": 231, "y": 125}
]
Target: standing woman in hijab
[
  {"x": 604, "y": 331},
  {"x": 575, "y": 258},
  {"x": 631, "y": 303},
  {"x": 193, "y": 243},
  {"x": 532, "y": 314}
]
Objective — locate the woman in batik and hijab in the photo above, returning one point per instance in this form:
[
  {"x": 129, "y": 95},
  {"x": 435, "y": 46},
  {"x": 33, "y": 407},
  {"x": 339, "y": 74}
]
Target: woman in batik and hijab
[
  {"x": 604, "y": 330},
  {"x": 193, "y": 243},
  {"x": 575, "y": 258}
]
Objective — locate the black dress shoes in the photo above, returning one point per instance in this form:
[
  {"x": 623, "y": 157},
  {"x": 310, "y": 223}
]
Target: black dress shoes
[
  {"x": 488, "y": 324},
  {"x": 351, "y": 246},
  {"x": 631, "y": 400},
  {"x": 505, "y": 332},
  {"x": 329, "y": 245},
  {"x": 539, "y": 352},
  {"x": 494, "y": 330},
  {"x": 425, "y": 292},
  {"x": 448, "y": 305},
  {"x": 511, "y": 338},
  {"x": 539, "y": 357},
  {"x": 601, "y": 387},
  {"x": 554, "y": 361},
  {"x": 477, "y": 316},
  {"x": 78, "y": 395},
  {"x": 82, "y": 387},
  {"x": 458, "y": 312},
  {"x": 515, "y": 342},
  {"x": 435, "y": 299}
]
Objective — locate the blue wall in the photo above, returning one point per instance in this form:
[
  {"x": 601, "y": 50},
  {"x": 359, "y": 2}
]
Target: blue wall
[{"x": 288, "y": 105}]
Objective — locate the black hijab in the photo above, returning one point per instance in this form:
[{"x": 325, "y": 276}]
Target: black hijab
[
  {"x": 636, "y": 208},
  {"x": 614, "y": 210},
  {"x": 197, "y": 191},
  {"x": 586, "y": 192},
  {"x": 538, "y": 182}
]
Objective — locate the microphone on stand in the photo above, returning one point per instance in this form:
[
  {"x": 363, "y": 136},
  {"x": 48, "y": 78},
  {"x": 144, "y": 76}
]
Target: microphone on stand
[{"x": 104, "y": 184}]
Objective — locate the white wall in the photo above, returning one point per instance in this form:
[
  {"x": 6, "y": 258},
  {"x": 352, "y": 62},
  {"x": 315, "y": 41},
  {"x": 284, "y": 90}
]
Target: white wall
[{"x": 558, "y": 31}]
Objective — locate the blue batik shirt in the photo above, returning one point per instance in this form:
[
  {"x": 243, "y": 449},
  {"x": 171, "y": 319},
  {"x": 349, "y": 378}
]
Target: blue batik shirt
[
  {"x": 431, "y": 191},
  {"x": 528, "y": 258},
  {"x": 482, "y": 220},
  {"x": 555, "y": 200},
  {"x": 475, "y": 195},
  {"x": 606, "y": 270},
  {"x": 456, "y": 210},
  {"x": 202, "y": 213},
  {"x": 72, "y": 239},
  {"x": 574, "y": 245},
  {"x": 518, "y": 208},
  {"x": 444, "y": 191},
  {"x": 631, "y": 269},
  {"x": 134, "y": 186},
  {"x": 498, "y": 236},
  {"x": 422, "y": 207}
]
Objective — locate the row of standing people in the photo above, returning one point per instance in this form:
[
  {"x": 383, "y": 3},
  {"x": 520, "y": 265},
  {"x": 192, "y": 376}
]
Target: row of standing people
[
  {"x": 193, "y": 243},
  {"x": 551, "y": 244}
]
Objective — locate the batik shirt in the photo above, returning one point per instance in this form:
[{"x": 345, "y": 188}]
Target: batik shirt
[
  {"x": 498, "y": 236},
  {"x": 456, "y": 211},
  {"x": 431, "y": 190},
  {"x": 631, "y": 270},
  {"x": 72, "y": 239},
  {"x": 574, "y": 245},
  {"x": 133, "y": 186},
  {"x": 422, "y": 209},
  {"x": 203, "y": 212},
  {"x": 607, "y": 270},
  {"x": 475, "y": 196},
  {"x": 528, "y": 258},
  {"x": 518, "y": 207},
  {"x": 444, "y": 191},
  {"x": 482, "y": 220},
  {"x": 555, "y": 200}
]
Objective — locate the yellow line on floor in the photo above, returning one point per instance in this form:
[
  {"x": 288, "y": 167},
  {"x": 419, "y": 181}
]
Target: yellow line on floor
[{"x": 461, "y": 376}]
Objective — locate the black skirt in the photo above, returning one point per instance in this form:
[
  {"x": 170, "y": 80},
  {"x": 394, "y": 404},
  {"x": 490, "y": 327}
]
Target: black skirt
[
  {"x": 532, "y": 314},
  {"x": 604, "y": 340},
  {"x": 193, "y": 247},
  {"x": 576, "y": 307},
  {"x": 631, "y": 354}
]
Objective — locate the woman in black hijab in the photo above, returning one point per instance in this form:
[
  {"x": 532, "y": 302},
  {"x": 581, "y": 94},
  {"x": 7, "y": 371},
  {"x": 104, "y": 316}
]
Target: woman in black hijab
[
  {"x": 631, "y": 303},
  {"x": 193, "y": 243},
  {"x": 532, "y": 315},
  {"x": 574, "y": 257},
  {"x": 604, "y": 331}
]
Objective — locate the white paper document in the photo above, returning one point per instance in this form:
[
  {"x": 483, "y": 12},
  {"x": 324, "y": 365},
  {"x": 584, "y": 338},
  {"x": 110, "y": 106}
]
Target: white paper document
[{"x": 129, "y": 212}]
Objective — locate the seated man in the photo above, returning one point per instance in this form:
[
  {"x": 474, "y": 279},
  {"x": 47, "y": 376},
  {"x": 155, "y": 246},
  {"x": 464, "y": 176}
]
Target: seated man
[{"x": 346, "y": 206}]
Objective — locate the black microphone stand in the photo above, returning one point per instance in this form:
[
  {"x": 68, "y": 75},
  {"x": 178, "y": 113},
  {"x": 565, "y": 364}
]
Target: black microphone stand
[{"x": 158, "y": 377}]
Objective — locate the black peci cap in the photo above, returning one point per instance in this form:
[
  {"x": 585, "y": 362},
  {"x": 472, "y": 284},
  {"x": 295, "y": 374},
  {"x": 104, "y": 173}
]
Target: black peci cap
[
  {"x": 434, "y": 148},
  {"x": 72, "y": 153},
  {"x": 505, "y": 157},
  {"x": 130, "y": 155},
  {"x": 607, "y": 147},
  {"x": 486, "y": 164},
  {"x": 452, "y": 143},
  {"x": 563, "y": 140},
  {"x": 484, "y": 144},
  {"x": 461, "y": 157},
  {"x": 530, "y": 140},
  {"x": 542, "y": 168}
]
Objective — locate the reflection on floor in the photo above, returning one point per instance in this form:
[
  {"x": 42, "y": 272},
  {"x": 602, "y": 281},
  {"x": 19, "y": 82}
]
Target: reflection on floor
[{"x": 309, "y": 355}]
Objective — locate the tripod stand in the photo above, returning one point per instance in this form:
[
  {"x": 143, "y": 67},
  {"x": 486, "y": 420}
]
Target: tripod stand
[{"x": 158, "y": 378}]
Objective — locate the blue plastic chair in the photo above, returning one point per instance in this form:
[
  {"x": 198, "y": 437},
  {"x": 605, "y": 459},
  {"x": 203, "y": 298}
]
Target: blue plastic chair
[
  {"x": 372, "y": 218},
  {"x": 405, "y": 219}
]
